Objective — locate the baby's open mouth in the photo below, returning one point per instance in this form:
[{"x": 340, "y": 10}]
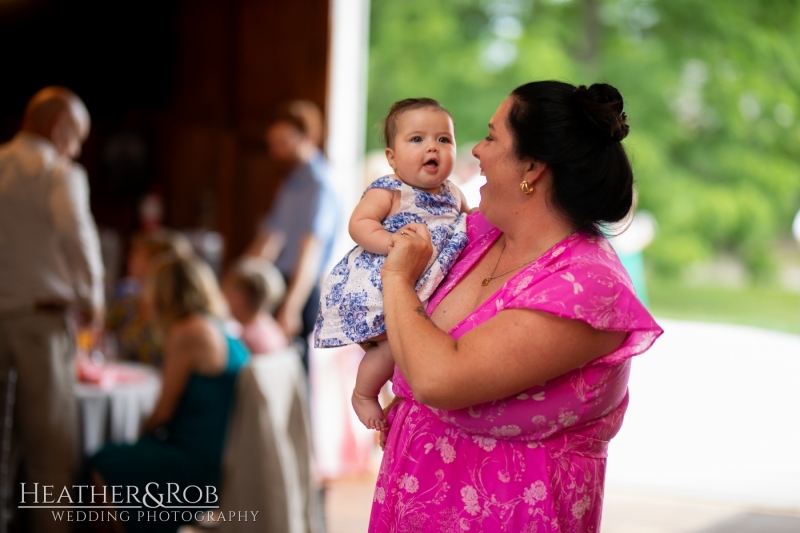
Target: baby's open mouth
[{"x": 432, "y": 164}]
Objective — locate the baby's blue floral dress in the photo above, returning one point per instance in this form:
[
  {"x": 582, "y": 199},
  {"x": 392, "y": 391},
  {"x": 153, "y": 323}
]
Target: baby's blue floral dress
[{"x": 351, "y": 306}]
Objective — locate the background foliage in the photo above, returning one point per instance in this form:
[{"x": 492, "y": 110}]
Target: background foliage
[{"x": 712, "y": 92}]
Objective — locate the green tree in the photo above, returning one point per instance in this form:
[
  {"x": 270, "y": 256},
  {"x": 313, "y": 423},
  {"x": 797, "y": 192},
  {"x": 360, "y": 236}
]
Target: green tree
[{"x": 712, "y": 92}]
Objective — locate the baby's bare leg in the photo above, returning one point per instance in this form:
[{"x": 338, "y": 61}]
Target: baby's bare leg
[{"x": 375, "y": 369}]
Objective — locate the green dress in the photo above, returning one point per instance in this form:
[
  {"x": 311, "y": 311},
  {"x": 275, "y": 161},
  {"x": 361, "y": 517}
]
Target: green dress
[{"x": 188, "y": 454}]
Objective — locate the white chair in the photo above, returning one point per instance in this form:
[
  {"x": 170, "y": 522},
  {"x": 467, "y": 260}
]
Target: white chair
[{"x": 267, "y": 465}]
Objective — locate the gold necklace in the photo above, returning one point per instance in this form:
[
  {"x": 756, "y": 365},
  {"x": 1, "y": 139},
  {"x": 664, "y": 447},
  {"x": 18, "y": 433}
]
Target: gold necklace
[{"x": 488, "y": 280}]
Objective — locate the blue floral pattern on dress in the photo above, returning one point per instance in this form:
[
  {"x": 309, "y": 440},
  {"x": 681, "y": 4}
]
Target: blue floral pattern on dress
[
  {"x": 445, "y": 259},
  {"x": 394, "y": 222},
  {"x": 351, "y": 307},
  {"x": 435, "y": 204},
  {"x": 386, "y": 182},
  {"x": 439, "y": 238},
  {"x": 334, "y": 297},
  {"x": 372, "y": 263}
]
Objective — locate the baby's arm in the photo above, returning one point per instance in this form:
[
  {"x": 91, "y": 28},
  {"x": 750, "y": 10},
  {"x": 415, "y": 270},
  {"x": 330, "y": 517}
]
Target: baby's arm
[
  {"x": 464, "y": 206},
  {"x": 366, "y": 226}
]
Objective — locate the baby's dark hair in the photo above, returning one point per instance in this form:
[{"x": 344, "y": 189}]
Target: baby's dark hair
[
  {"x": 261, "y": 283},
  {"x": 400, "y": 107},
  {"x": 577, "y": 131}
]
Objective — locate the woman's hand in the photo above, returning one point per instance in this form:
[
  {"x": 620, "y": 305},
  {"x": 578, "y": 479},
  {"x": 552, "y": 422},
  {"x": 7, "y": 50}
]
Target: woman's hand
[{"x": 410, "y": 249}]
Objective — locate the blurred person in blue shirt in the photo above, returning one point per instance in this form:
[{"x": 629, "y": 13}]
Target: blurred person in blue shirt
[{"x": 299, "y": 232}]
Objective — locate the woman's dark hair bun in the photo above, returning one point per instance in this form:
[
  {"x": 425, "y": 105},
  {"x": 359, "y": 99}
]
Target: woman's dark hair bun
[
  {"x": 602, "y": 104},
  {"x": 576, "y": 131}
]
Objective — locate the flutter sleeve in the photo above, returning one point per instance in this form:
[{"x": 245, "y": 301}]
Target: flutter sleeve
[
  {"x": 583, "y": 279},
  {"x": 580, "y": 278}
]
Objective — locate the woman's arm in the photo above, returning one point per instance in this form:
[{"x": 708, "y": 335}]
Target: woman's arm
[
  {"x": 180, "y": 354},
  {"x": 266, "y": 244},
  {"x": 302, "y": 282},
  {"x": 513, "y": 351},
  {"x": 366, "y": 222}
]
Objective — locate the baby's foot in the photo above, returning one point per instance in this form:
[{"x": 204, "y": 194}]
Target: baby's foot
[{"x": 369, "y": 412}]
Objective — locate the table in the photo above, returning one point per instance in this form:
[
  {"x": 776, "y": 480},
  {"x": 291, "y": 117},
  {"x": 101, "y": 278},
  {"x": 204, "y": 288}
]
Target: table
[{"x": 116, "y": 413}]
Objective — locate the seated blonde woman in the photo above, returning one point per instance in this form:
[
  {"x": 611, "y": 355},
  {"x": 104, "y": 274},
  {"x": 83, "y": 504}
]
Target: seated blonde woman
[{"x": 185, "y": 434}]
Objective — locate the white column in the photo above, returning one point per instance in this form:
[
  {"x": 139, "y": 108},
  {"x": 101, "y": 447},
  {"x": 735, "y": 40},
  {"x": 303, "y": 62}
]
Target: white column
[
  {"x": 347, "y": 106},
  {"x": 342, "y": 445}
]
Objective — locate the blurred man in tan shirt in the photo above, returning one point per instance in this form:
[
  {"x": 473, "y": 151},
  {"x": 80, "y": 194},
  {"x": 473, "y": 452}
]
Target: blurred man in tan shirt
[{"x": 50, "y": 270}]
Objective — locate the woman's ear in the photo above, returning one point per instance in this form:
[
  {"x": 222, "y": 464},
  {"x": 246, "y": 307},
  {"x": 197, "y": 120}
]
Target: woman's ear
[{"x": 534, "y": 170}]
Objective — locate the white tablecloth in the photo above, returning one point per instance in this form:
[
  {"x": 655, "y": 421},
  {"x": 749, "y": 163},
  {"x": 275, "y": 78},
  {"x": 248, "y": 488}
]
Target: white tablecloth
[{"x": 116, "y": 413}]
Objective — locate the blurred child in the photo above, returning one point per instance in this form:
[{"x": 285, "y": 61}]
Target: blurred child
[
  {"x": 254, "y": 288},
  {"x": 126, "y": 320}
]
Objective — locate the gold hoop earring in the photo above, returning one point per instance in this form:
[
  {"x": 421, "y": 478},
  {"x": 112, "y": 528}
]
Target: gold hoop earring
[{"x": 526, "y": 188}]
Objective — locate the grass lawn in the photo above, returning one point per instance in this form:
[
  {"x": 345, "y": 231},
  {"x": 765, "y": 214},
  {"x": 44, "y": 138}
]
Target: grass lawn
[{"x": 764, "y": 307}]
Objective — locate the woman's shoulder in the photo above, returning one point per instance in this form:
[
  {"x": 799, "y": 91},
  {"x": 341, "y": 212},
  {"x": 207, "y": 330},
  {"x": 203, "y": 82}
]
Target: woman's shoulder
[
  {"x": 581, "y": 279},
  {"x": 195, "y": 336},
  {"x": 193, "y": 326},
  {"x": 590, "y": 255},
  {"x": 582, "y": 265}
]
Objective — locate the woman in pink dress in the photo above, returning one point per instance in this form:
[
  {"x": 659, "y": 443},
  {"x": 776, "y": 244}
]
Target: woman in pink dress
[{"x": 514, "y": 378}]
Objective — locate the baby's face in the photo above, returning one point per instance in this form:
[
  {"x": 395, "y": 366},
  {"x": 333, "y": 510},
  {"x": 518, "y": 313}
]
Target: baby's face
[{"x": 424, "y": 148}]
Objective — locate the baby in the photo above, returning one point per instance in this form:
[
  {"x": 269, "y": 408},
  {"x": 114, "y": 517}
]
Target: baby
[{"x": 420, "y": 147}]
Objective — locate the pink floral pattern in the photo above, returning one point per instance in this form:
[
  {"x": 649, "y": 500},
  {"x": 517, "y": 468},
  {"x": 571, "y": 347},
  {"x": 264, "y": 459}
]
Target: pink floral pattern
[{"x": 534, "y": 462}]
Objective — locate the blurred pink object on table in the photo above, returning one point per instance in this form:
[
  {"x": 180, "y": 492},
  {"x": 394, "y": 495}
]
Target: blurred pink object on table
[{"x": 107, "y": 375}]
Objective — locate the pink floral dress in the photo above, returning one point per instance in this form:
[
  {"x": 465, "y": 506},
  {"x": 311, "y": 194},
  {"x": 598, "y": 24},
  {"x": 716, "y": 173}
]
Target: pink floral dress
[{"x": 533, "y": 462}]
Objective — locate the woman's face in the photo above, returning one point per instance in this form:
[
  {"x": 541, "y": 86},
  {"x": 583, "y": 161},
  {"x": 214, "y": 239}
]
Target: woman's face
[{"x": 498, "y": 162}]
